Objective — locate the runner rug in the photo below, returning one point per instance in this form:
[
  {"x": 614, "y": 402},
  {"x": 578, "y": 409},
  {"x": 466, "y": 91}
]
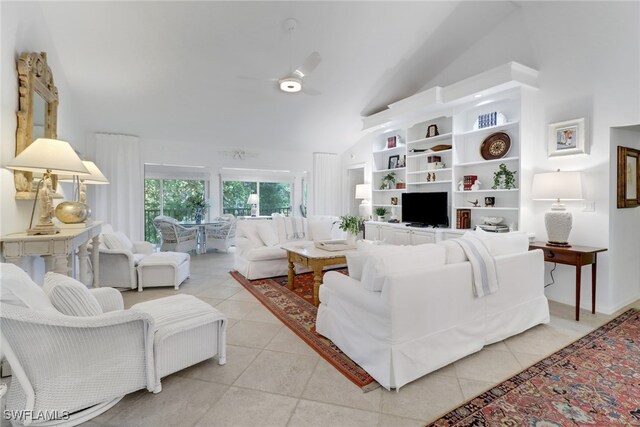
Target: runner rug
[
  {"x": 595, "y": 381},
  {"x": 296, "y": 310}
]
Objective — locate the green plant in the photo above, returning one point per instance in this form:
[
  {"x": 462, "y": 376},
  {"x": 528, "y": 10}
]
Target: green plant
[
  {"x": 351, "y": 224},
  {"x": 504, "y": 178},
  {"x": 388, "y": 181},
  {"x": 197, "y": 202},
  {"x": 381, "y": 211}
]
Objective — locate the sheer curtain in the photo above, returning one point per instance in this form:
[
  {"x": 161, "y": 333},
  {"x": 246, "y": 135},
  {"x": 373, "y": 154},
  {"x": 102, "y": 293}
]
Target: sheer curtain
[
  {"x": 326, "y": 184},
  {"x": 121, "y": 202}
]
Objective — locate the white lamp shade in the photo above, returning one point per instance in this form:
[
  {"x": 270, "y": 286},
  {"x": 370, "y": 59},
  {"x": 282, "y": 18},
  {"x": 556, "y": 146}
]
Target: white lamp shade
[
  {"x": 253, "y": 199},
  {"x": 49, "y": 154},
  {"x": 363, "y": 191},
  {"x": 96, "y": 176},
  {"x": 557, "y": 186}
]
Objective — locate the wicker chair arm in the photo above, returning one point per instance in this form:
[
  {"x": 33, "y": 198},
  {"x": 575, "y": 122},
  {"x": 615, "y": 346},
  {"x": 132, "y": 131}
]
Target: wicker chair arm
[{"x": 109, "y": 299}]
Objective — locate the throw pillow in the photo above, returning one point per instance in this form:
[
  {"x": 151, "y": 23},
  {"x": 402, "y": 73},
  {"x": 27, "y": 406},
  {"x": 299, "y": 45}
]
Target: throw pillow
[
  {"x": 291, "y": 228},
  {"x": 454, "y": 252},
  {"x": 70, "y": 297},
  {"x": 356, "y": 260},
  {"x": 251, "y": 233},
  {"x": 17, "y": 288},
  {"x": 117, "y": 241},
  {"x": 267, "y": 233},
  {"x": 379, "y": 265},
  {"x": 319, "y": 230}
]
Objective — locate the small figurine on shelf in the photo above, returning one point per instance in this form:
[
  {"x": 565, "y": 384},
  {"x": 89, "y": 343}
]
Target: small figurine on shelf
[
  {"x": 429, "y": 177},
  {"x": 489, "y": 202},
  {"x": 433, "y": 177},
  {"x": 476, "y": 185},
  {"x": 475, "y": 203},
  {"x": 460, "y": 186}
]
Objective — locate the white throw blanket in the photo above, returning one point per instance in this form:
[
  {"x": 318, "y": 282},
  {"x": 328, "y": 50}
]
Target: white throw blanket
[
  {"x": 483, "y": 265},
  {"x": 294, "y": 228}
]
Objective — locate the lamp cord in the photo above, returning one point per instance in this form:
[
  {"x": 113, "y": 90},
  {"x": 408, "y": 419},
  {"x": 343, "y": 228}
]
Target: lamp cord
[{"x": 551, "y": 273}]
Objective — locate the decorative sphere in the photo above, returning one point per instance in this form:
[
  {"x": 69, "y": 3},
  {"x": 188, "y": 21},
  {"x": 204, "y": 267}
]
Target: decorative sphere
[{"x": 72, "y": 212}]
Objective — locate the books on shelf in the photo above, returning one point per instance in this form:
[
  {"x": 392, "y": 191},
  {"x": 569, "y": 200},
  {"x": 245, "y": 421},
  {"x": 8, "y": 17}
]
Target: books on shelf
[
  {"x": 463, "y": 219},
  {"x": 468, "y": 182}
]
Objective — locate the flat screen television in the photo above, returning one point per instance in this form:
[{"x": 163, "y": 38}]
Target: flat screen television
[{"x": 425, "y": 209}]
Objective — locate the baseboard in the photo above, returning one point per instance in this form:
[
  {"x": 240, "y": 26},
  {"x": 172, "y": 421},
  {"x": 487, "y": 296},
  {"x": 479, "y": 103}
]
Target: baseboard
[{"x": 599, "y": 308}]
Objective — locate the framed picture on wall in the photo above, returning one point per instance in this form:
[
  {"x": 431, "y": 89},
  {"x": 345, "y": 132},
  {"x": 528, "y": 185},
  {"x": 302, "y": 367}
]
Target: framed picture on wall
[
  {"x": 566, "y": 138},
  {"x": 628, "y": 177}
]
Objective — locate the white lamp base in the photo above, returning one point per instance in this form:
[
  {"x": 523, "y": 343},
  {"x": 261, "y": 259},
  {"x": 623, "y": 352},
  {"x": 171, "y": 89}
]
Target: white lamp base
[
  {"x": 254, "y": 210},
  {"x": 364, "y": 210},
  {"x": 558, "y": 222}
]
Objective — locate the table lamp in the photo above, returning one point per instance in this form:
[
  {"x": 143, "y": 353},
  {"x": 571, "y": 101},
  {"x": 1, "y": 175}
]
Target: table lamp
[
  {"x": 363, "y": 191},
  {"x": 253, "y": 201},
  {"x": 77, "y": 210},
  {"x": 47, "y": 156},
  {"x": 557, "y": 186}
]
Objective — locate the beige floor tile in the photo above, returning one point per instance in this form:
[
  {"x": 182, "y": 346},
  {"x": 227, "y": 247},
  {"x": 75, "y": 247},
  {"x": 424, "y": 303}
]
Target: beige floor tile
[
  {"x": 238, "y": 359},
  {"x": 387, "y": 420},
  {"x": 310, "y": 414},
  {"x": 243, "y": 295},
  {"x": 261, "y": 314},
  {"x": 252, "y": 334},
  {"x": 472, "y": 388},
  {"x": 242, "y": 407},
  {"x": 449, "y": 371},
  {"x": 330, "y": 386},
  {"x": 498, "y": 346},
  {"x": 541, "y": 339},
  {"x": 488, "y": 366},
  {"x": 124, "y": 404},
  {"x": 526, "y": 359},
  {"x": 237, "y": 309},
  {"x": 289, "y": 342},
  {"x": 276, "y": 372},
  {"x": 423, "y": 399},
  {"x": 211, "y": 301},
  {"x": 182, "y": 402},
  {"x": 218, "y": 291}
]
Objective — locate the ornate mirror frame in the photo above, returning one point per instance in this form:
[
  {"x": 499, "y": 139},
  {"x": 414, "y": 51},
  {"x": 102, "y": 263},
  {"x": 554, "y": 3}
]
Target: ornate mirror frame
[{"x": 35, "y": 77}]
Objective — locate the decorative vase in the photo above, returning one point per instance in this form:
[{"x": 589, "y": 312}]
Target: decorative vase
[
  {"x": 351, "y": 238},
  {"x": 381, "y": 218},
  {"x": 72, "y": 212}
]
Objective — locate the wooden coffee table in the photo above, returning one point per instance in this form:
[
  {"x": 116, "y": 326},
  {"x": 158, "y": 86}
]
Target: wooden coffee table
[{"x": 315, "y": 259}]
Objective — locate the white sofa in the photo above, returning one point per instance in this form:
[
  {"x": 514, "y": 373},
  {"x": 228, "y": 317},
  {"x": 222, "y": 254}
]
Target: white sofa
[
  {"x": 259, "y": 252},
  {"x": 426, "y": 315}
]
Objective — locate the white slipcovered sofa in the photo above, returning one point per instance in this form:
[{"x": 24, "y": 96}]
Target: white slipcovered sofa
[
  {"x": 408, "y": 311},
  {"x": 259, "y": 252}
]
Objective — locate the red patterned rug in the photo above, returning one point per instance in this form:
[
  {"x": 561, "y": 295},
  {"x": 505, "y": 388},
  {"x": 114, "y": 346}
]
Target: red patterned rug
[
  {"x": 296, "y": 310},
  {"x": 595, "y": 381}
]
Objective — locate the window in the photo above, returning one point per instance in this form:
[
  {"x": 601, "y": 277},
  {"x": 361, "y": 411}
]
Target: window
[
  {"x": 274, "y": 197},
  {"x": 170, "y": 197}
]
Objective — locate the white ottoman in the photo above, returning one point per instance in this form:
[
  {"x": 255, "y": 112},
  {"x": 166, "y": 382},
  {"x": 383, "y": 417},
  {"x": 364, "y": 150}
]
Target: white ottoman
[
  {"x": 163, "y": 269},
  {"x": 187, "y": 331}
]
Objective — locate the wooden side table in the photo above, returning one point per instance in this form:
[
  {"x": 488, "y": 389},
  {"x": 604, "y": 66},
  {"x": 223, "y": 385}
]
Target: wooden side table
[{"x": 577, "y": 256}]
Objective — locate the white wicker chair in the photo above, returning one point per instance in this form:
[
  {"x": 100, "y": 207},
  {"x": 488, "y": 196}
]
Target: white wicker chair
[
  {"x": 79, "y": 367},
  {"x": 175, "y": 237},
  {"x": 221, "y": 236}
]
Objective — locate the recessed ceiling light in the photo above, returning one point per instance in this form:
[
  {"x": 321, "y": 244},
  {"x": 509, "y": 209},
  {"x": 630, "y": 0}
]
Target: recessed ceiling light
[{"x": 291, "y": 85}]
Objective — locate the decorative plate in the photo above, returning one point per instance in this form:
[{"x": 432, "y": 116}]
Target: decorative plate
[{"x": 495, "y": 146}]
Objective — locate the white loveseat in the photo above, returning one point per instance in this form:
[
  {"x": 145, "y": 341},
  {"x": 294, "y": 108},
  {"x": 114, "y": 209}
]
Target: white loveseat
[
  {"x": 259, "y": 252},
  {"x": 426, "y": 315}
]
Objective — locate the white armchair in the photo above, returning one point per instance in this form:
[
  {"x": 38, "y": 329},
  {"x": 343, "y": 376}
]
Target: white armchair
[
  {"x": 76, "y": 367},
  {"x": 175, "y": 237},
  {"x": 221, "y": 236},
  {"x": 127, "y": 264}
]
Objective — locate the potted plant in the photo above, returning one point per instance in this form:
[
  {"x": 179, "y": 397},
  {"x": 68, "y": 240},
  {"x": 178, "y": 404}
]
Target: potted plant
[
  {"x": 381, "y": 212},
  {"x": 351, "y": 224},
  {"x": 504, "y": 178},
  {"x": 198, "y": 205},
  {"x": 388, "y": 181}
]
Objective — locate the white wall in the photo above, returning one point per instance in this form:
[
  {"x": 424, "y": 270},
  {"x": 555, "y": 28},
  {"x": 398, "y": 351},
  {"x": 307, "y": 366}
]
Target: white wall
[
  {"x": 624, "y": 227},
  {"x": 214, "y": 158},
  {"x": 588, "y": 56},
  {"x": 25, "y": 30}
]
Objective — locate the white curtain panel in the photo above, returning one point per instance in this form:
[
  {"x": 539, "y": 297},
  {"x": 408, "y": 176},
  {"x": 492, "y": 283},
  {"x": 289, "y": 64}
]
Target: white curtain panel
[
  {"x": 121, "y": 202},
  {"x": 326, "y": 184}
]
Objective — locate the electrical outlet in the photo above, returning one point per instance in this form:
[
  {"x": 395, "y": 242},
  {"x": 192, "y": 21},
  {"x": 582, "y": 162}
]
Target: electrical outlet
[{"x": 589, "y": 206}]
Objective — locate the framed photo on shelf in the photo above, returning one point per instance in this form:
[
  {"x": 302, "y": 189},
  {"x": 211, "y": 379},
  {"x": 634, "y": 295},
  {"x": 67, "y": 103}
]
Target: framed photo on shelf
[
  {"x": 393, "y": 161},
  {"x": 628, "y": 177},
  {"x": 566, "y": 138},
  {"x": 432, "y": 130},
  {"x": 392, "y": 141}
]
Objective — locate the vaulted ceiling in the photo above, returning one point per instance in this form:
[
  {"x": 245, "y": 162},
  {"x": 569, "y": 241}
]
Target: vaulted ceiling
[{"x": 174, "y": 70}]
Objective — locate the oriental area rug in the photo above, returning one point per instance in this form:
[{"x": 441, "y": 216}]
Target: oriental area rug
[
  {"x": 593, "y": 382},
  {"x": 296, "y": 310}
]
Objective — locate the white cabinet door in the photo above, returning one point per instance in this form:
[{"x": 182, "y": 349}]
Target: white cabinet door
[
  {"x": 420, "y": 237},
  {"x": 372, "y": 232},
  {"x": 395, "y": 235}
]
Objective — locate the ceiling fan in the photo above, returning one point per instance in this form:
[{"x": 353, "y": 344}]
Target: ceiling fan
[{"x": 294, "y": 81}]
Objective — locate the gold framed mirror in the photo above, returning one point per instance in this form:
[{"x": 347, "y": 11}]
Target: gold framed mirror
[{"x": 37, "y": 114}]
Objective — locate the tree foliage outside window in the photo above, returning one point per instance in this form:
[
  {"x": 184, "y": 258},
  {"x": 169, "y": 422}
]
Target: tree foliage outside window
[
  {"x": 169, "y": 197},
  {"x": 274, "y": 197}
]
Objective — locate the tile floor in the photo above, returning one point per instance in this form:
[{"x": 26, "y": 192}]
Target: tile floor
[{"x": 272, "y": 378}]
